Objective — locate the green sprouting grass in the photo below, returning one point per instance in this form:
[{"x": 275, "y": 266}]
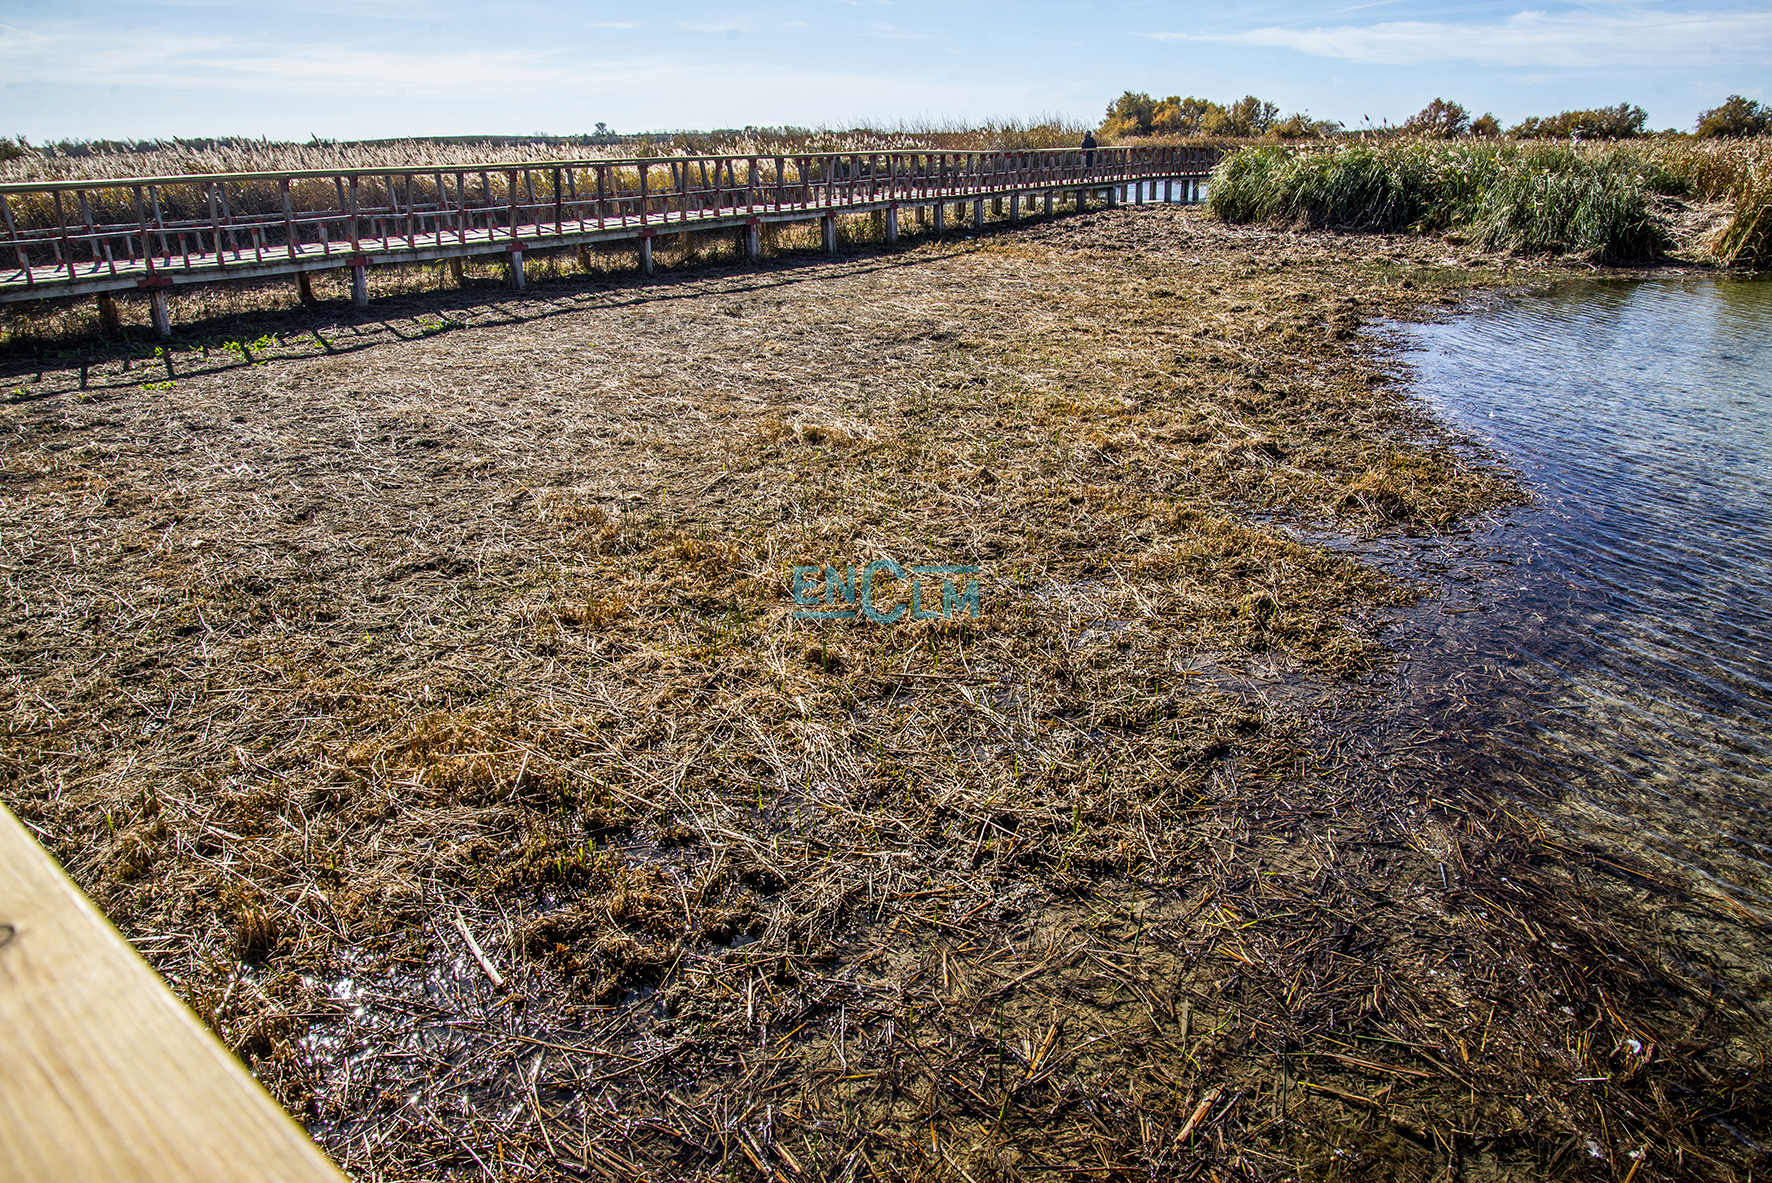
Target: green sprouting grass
[{"x": 1593, "y": 202}]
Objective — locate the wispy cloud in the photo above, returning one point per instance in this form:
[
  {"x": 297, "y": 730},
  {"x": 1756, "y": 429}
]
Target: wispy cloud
[
  {"x": 1586, "y": 38},
  {"x": 491, "y": 84}
]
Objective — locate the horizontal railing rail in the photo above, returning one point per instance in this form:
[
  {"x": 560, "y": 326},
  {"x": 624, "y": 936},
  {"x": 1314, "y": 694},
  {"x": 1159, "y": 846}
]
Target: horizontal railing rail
[{"x": 71, "y": 237}]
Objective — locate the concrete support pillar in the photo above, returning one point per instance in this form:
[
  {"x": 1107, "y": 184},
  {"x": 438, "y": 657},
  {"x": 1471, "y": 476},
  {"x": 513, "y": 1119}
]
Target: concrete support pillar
[
  {"x": 1168, "y": 191},
  {"x": 1113, "y": 196},
  {"x": 941, "y": 216},
  {"x": 360, "y": 285},
  {"x": 1138, "y": 193},
  {"x": 162, "y": 317},
  {"x": 892, "y": 225},
  {"x": 304, "y": 289},
  {"x": 829, "y": 221},
  {"x": 996, "y": 207},
  {"x": 753, "y": 241},
  {"x": 1082, "y": 200},
  {"x": 978, "y": 214},
  {"x": 1048, "y": 203},
  {"x": 646, "y": 254},
  {"x": 517, "y": 270},
  {"x": 1015, "y": 207}
]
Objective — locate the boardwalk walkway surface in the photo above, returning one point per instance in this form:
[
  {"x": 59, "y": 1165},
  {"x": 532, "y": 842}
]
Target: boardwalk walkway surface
[{"x": 98, "y": 237}]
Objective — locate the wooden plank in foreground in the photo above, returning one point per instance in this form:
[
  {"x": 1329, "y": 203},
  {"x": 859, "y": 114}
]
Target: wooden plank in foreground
[{"x": 104, "y": 1073}]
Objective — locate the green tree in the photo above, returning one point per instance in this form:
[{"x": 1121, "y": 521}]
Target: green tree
[
  {"x": 1486, "y": 125},
  {"x": 1129, "y": 115},
  {"x": 10, "y": 150},
  {"x": 1251, "y": 116},
  {"x": 1439, "y": 120},
  {"x": 1602, "y": 123},
  {"x": 1183, "y": 117},
  {"x": 1737, "y": 116},
  {"x": 1300, "y": 126}
]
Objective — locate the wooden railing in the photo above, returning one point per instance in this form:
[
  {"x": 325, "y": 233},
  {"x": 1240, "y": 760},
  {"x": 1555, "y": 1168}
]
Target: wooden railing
[
  {"x": 104, "y": 1073},
  {"x": 96, "y": 236}
]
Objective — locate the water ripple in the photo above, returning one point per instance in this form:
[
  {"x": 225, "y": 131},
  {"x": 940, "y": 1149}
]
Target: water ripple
[{"x": 1630, "y": 625}]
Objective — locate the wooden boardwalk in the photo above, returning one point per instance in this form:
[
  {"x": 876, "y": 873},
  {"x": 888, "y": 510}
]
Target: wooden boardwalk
[
  {"x": 104, "y": 1074},
  {"x": 98, "y": 237}
]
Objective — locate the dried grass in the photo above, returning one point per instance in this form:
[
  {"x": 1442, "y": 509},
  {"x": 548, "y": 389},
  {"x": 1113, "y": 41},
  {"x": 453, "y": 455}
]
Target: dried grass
[
  {"x": 476, "y": 610},
  {"x": 180, "y": 157}
]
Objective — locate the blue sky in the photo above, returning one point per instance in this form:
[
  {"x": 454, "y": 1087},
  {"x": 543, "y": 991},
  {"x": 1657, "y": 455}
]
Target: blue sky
[{"x": 378, "y": 68}]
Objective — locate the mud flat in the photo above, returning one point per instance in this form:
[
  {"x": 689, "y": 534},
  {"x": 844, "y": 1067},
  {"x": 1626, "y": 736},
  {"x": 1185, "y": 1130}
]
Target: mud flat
[{"x": 333, "y": 642}]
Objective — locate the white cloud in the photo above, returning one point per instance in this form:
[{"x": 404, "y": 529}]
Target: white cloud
[{"x": 1625, "y": 37}]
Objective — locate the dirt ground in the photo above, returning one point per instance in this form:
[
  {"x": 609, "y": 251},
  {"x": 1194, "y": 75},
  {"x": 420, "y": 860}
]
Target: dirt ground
[{"x": 332, "y": 637}]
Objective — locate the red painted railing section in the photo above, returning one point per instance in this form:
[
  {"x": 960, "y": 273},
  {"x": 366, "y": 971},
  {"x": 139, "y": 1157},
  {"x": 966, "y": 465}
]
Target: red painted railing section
[{"x": 65, "y": 237}]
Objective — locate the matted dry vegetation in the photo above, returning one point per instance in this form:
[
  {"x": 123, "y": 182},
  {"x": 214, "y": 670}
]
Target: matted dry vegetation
[{"x": 334, "y": 638}]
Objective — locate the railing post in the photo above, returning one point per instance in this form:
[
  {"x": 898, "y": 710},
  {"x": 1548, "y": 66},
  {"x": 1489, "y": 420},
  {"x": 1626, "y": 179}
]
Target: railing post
[
  {"x": 161, "y": 314},
  {"x": 221, "y": 259},
  {"x": 160, "y": 223},
  {"x": 24, "y": 259},
  {"x": 288, "y": 218}
]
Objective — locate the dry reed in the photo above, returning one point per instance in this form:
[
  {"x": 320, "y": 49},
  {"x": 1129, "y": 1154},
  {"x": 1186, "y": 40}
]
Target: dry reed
[{"x": 473, "y": 613}]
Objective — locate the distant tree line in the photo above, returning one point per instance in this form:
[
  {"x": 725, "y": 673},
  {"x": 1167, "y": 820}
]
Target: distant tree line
[{"x": 1135, "y": 113}]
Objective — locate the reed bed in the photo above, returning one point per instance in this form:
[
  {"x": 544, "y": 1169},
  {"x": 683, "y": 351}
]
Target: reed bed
[
  {"x": 1605, "y": 204},
  {"x": 184, "y": 157},
  {"x": 1737, "y": 175},
  {"x": 473, "y": 615}
]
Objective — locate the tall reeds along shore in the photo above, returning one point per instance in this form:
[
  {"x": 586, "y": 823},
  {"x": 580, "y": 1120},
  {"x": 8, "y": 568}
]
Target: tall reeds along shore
[{"x": 1614, "y": 204}]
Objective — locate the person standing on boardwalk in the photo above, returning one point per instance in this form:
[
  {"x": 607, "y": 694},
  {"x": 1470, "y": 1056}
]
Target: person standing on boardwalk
[{"x": 1088, "y": 150}]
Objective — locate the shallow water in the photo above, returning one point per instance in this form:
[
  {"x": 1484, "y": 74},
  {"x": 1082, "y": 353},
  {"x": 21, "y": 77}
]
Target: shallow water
[{"x": 1611, "y": 666}]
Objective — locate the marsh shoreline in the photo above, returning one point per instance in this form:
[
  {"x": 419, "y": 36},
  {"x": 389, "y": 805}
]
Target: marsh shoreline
[{"x": 478, "y": 606}]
